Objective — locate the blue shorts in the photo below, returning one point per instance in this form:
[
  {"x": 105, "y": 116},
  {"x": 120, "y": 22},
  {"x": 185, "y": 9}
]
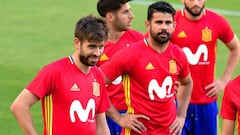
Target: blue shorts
[
  {"x": 201, "y": 119},
  {"x": 114, "y": 128}
]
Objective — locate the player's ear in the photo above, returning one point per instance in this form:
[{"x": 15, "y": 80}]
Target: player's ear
[
  {"x": 147, "y": 25},
  {"x": 76, "y": 43},
  {"x": 174, "y": 24},
  {"x": 109, "y": 16}
]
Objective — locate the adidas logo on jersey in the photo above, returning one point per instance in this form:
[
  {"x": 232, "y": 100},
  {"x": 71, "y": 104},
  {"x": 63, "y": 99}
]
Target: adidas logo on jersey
[
  {"x": 149, "y": 66},
  {"x": 104, "y": 57},
  {"x": 182, "y": 34},
  {"x": 75, "y": 87}
]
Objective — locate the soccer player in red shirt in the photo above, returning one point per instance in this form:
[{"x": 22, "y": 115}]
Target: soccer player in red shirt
[
  {"x": 197, "y": 31},
  {"x": 230, "y": 107},
  {"x": 118, "y": 16},
  {"x": 152, "y": 66},
  {"x": 72, "y": 90}
]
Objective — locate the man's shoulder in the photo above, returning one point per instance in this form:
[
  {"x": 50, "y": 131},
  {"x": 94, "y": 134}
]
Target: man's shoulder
[
  {"x": 59, "y": 63},
  {"x": 134, "y": 48},
  {"x": 134, "y": 32},
  {"x": 212, "y": 14},
  {"x": 210, "y": 11},
  {"x": 179, "y": 13}
]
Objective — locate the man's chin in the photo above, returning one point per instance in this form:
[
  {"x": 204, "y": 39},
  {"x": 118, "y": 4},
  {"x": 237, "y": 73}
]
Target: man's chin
[{"x": 93, "y": 63}]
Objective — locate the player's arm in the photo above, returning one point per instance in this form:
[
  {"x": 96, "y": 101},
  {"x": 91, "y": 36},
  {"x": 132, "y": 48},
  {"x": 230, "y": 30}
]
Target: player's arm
[
  {"x": 102, "y": 127},
  {"x": 21, "y": 110},
  {"x": 184, "y": 94},
  {"x": 228, "y": 127},
  {"x": 233, "y": 58},
  {"x": 183, "y": 98},
  {"x": 128, "y": 120}
]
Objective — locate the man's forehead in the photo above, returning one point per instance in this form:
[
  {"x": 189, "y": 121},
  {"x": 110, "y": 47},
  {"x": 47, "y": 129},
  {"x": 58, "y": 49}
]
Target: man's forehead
[
  {"x": 93, "y": 42},
  {"x": 160, "y": 15}
]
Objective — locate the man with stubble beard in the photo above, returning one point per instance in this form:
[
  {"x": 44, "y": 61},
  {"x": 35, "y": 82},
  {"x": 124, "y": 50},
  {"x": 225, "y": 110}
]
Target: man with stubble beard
[{"x": 152, "y": 66}]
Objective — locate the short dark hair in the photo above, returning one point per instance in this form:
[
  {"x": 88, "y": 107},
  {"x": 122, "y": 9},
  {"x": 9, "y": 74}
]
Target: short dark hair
[
  {"x": 160, "y": 6},
  {"x": 91, "y": 28},
  {"x": 105, "y": 6}
]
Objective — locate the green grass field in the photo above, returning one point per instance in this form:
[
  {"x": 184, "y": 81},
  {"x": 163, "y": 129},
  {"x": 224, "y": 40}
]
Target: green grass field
[{"x": 34, "y": 33}]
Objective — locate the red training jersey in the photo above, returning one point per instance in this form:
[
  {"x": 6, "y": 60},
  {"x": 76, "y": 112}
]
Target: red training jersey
[
  {"x": 149, "y": 82},
  {"x": 70, "y": 99},
  {"x": 198, "y": 39},
  {"x": 230, "y": 103},
  {"x": 115, "y": 89}
]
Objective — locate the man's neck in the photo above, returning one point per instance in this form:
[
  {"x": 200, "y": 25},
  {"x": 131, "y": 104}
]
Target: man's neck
[
  {"x": 160, "y": 48},
  {"x": 84, "y": 68},
  {"x": 114, "y": 36}
]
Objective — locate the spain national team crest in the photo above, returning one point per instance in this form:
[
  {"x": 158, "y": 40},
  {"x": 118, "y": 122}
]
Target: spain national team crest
[
  {"x": 172, "y": 66},
  {"x": 96, "y": 89},
  {"x": 206, "y": 34}
]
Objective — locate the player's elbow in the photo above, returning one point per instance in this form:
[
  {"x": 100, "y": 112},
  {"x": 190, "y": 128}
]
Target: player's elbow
[{"x": 14, "y": 108}]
